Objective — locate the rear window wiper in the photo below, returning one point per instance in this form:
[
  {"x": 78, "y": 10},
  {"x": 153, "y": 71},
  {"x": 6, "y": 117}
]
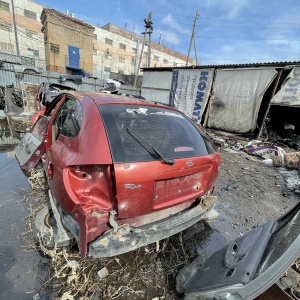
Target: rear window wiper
[{"x": 142, "y": 141}]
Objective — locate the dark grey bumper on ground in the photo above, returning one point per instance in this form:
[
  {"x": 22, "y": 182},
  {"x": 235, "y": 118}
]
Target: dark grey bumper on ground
[
  {"x": 129, "y": 238},
  {"x": 248, "y": 265}
]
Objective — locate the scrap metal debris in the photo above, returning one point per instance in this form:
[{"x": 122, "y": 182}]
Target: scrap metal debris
[{"x": 290, "y": 280}]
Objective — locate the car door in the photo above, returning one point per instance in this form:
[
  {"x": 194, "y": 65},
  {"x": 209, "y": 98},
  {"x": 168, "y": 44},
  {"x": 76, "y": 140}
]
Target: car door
[
  {"x": 248, "y": 265},
  {"x": 65, "y": 126},
  {"x": 33, "y": 144}
]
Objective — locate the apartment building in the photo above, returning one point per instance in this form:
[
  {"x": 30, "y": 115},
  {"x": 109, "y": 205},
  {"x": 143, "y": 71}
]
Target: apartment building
[
  {"x": 60, "y": 42},
  {"x": 118, "y": 50},
  {"x": 28, "y": 24}
]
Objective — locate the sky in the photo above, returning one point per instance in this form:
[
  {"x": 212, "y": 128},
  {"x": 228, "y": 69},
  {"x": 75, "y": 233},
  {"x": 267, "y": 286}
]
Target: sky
[{"x": 226, "y": 31}]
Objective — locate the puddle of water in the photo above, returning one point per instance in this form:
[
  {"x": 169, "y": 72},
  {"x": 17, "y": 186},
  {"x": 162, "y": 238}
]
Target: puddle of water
[
  {"x": 19, "y": 268},
  {"x": 203, "y": 239}
]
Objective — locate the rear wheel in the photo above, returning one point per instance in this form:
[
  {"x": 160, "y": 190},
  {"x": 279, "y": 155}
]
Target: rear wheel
[
  {"x": 47, "y": 231},
  {"x": 44, "y": 227}
]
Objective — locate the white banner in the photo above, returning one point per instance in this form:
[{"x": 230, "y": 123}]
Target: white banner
[
  {"x": 190, "y": 91},
  {"x": 236, "y": 99},
  {"x": 289, "y": 94}
]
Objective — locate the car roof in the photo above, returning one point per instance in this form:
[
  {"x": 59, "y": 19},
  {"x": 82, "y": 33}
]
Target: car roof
[{"x": 104, "y": 98}]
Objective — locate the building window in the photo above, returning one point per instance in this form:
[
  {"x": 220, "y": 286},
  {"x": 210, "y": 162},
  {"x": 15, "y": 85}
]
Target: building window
[
  {"x": 6, "y": 27},
  {"x": 107, "y": 69},
  {"x": 145, "y": 53},
  {"x": 122, "y": 46},
  {"x": 175, "y": 65},
  {"x": 121, "y": 72},
  {"x": 95, "y": 51},
  {"x": 54, "y": 48},
  {"x": 144, "y": 65},
  {"x": 156, "y": 57},
  {"x": 4, "y": 5},
  {"x": 6, "y": 47},
  {"x": 165, "y": 61},
  {"x": 108, "y": 41},
  {"x": 28, "y": 61},
  {"x": 95, "y": 37},
  {"x": 30, "y": 14},
  {"x": 134, "y": 50},
  {"x": 122, "y": 59},
  {"x": 31, "y": 34},
  {"x": 132, "y": 61},
  {"x": 33, "y": 52}
]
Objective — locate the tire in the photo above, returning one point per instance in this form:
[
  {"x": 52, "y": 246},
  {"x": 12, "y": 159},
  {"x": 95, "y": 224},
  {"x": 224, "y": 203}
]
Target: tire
[{"x": 43, "y": 227}]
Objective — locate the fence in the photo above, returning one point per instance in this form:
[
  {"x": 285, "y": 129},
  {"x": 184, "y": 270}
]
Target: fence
[{"x": 8, "y": 76}]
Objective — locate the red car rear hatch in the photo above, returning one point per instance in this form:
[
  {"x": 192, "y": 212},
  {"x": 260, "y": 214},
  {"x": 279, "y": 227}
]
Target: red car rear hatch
[{"x": 161, "y": 160}]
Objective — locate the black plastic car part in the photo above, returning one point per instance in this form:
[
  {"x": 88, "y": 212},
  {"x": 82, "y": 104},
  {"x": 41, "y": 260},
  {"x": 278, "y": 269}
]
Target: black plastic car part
[{"x": 248, "y": 265}]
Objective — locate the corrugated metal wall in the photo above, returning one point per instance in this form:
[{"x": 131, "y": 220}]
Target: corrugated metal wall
[
  {"x": 156, "y": 86},
  {"x": 8, "y": 77}
]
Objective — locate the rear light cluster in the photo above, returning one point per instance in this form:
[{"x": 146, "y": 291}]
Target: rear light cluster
[{"x": 92, "y": 187}]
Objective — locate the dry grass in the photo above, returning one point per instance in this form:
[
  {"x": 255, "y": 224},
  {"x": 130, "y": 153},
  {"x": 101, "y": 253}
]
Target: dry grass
[{"x": 141, "y": 274}]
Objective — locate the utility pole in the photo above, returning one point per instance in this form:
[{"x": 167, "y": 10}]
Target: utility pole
[
  {"x": 195, "y": 51},
  {"x": 192, "y": 37},
  {"x": 136, "y": 56},
  {"x": 148, "y": 26},
  {"x": 15, "y": 28}
]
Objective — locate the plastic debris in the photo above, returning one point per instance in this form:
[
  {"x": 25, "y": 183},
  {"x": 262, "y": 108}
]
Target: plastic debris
[
  {"x": 102, "y": 273},
  {"x": 36, "y": 296},
  {"x": 266, "y": 151}
]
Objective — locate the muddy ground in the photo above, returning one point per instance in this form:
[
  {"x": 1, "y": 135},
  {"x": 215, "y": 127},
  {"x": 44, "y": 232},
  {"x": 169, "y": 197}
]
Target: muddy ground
[{"x": 250, "y": 194}]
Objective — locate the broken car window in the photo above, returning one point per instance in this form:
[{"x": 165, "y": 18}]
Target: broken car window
[
  {"x": 40, "y": 128},
  {"x": 69, "y": 118}
]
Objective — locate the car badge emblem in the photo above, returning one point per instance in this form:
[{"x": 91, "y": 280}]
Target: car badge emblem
[
  {"x": 189, "y": 163},
  {"x": 132, "y": 186}
]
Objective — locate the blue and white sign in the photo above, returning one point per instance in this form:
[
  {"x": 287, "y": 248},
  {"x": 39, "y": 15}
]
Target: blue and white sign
[{"x": 190, "y": 91}]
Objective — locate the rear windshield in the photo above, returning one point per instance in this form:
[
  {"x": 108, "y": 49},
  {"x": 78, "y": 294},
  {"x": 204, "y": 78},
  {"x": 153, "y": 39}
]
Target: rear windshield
[{"x": 132, "y": 130}]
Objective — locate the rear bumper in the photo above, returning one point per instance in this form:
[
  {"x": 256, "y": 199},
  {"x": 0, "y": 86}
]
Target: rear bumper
[
  {"x": 129, "y": 238},
  {"x": 248, "y": 265}
]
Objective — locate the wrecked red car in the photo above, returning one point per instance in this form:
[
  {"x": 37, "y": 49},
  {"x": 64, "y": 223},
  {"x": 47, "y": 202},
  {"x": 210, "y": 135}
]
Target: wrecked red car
[
  {"x": 122, "y": 172},
  {"x": 45, "y": 94}
]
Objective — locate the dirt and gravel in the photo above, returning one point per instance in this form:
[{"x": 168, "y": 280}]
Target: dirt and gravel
[{"x": 249, "y": 194}]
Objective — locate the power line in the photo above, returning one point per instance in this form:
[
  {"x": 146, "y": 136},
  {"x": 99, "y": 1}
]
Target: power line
[
  {"x": 244, "y": 21},
  {"x": 253, "y": 58},
  {"x": 225, "y": 26},
  {"x": 232, "y": 20},
  {"x": 242, "y": 38}
]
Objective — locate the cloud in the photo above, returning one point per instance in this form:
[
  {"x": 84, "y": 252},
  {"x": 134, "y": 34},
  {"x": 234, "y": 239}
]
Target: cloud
[
  {"x": 170, "y": 23},
  {"x": 168, "y": 37},
  {"x": 230, "y": 8},
  {"x": 249, "y": 52}
]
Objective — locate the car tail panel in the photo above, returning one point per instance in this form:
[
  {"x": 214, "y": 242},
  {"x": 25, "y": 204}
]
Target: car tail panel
[
  {"x": 174, "y": 186},
  {"x": 144, "y": 188}
]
